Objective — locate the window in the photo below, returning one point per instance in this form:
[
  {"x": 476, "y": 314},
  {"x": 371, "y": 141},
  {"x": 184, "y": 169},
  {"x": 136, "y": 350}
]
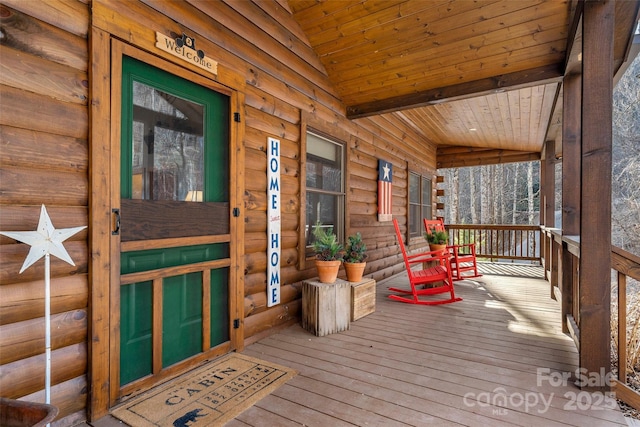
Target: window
[
  {"x": 167, "y": 146},
  {"x": 324, "y": 186},
  {"x": 419, "y": 203}
]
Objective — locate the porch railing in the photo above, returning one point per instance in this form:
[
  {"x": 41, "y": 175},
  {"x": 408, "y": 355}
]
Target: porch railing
[
  {"x": 561, "y": 261},
  {"x": 499, "y": 242}
]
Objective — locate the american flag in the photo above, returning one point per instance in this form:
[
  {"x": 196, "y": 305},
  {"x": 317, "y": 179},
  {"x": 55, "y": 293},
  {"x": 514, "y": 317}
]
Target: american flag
[{"x": 385, "y": 188}]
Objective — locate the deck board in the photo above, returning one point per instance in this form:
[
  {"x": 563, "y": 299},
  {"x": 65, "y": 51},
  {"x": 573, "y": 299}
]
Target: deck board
[
  {"x": 409, "y": 365},
  {"x": 259, "y": 417},
  {"x": 511, "y": 269},
  {"x": 414, "y": 365}
]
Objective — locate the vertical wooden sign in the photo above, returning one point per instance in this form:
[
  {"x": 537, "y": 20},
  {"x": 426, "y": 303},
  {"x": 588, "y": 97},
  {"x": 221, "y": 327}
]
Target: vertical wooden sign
[
  {"x": 385, "y": 190},
  {"x": 274, "y": 237}
]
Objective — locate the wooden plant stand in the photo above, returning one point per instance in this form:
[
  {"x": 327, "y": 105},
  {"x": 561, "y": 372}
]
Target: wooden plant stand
[
  {"x": 326, "y": 307},
  {"x": 363, "y": 298}
]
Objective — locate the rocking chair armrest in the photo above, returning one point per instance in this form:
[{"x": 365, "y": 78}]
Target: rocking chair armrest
[
  {"x": 427, "y": 256},
  {"x": 419, "y": 260},
  {"x": 461, "y": 245},
  {"x": 471, "y": 246}
]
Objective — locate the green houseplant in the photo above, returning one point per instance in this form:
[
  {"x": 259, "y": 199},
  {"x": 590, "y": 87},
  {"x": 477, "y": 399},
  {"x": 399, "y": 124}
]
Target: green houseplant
[
  {"x": 328, "y": 253},
  {"x": 437, "y": 240},
  {"x": 354, "y": 259}
]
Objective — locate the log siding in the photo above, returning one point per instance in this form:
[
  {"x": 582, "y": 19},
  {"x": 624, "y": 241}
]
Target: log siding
[
  {"x": 44, "y": 156},
  {"x": 54, "y": 123}
]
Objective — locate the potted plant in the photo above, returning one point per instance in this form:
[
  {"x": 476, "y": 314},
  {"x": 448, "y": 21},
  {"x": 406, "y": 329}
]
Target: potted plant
[
  {"x": 328, "y": 253},
  {"x": 355, "y": 254},
  {"x": 437, "y": 240}
]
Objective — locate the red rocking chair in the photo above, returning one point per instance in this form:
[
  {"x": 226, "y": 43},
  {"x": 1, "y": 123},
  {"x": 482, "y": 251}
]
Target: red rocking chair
[
  {"x": 464, "y": 256},
  {"x": 427, "y": 275}
]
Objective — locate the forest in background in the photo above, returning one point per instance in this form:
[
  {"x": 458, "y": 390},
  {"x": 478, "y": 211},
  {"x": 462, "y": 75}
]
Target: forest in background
[{"x": 626, "y": 161}]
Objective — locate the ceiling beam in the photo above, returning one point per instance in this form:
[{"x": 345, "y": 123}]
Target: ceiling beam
[
  {"x": 455, "y": 150},
  {"x": 627, "y": 16},
  {"x": 481, "y": 157},
  {"x": 555, "y": 120},
  {"x": 517, "y": 80},
  {"x": 573, "y": 62}
]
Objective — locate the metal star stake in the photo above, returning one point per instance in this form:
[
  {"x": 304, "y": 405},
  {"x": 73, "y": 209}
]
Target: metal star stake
[{"x": 45, "y": 241}]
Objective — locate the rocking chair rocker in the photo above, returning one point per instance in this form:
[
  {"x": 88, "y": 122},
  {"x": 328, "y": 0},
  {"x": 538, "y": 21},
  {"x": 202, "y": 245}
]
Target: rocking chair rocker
[
  {"x": 464, "y": 255},
  {"x": 438, "y": 273}
]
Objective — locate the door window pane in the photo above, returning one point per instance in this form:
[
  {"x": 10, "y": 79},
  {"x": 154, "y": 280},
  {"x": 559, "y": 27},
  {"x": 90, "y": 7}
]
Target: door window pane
[{"x": 168, "y": 146}]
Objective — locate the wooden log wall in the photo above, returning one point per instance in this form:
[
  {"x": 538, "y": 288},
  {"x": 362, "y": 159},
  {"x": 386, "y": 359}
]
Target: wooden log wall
[{"x": 44, "y": 123}]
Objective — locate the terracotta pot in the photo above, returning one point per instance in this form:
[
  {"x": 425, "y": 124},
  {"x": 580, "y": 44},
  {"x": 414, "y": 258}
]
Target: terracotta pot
[
  {"x": 22, "y": 413},
  {"x": 434, "y": 247},
  {"x": 328, "y": 270},
  {"x": 354, "y": 270}
]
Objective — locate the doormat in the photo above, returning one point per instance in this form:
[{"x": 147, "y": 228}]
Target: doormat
[{"x": 207, "y": 396}]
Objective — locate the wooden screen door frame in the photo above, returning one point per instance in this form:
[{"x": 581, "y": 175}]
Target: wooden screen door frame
[{"x": 236, "y": 229}]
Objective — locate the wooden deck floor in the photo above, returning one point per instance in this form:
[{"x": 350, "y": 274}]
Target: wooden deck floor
[
  {"x": 484, "y": 361},
  {"x": 511, "y": 269}
]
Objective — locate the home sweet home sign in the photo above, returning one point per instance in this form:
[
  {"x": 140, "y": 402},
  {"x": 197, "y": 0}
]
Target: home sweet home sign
[{"x": 274, "y": 237}]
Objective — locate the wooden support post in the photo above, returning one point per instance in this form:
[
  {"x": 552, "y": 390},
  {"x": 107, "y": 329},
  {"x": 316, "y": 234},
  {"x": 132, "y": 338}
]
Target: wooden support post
[
  {"x": 547, "y": 203},
  {"x": 555, "y": 261},
  {"x": 571, "y": 141},
  {"x": 558, "y": 285},
  {"x": 550, "y": 184},
  {"x": 543, "y": 234},
  {"x": 566, "y": 287},
  {"x": 548, "y": 181},
  {"x": 622, "y": 328},
  {"x": 595, "y": 189}
]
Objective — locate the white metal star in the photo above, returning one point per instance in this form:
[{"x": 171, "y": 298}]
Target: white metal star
[
  {"x": 45, "y": 240},
  {"x": 386, "y": 170}
]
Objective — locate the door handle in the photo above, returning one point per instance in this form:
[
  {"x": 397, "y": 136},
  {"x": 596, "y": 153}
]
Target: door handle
[{"x": 116, "y": 222}]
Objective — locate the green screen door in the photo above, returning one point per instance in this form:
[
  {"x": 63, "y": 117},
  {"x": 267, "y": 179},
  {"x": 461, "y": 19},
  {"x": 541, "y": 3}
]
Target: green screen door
[{"x": 173, "y": 219}]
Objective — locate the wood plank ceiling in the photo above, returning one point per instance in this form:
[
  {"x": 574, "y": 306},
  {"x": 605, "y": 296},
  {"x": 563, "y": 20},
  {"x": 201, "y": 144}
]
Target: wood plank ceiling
[{"x": 480, "y": 79}]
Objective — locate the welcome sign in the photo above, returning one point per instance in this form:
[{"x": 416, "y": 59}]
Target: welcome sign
[
  {"x": 274, "y": 237},
  {"x": 185, "y": 48}
]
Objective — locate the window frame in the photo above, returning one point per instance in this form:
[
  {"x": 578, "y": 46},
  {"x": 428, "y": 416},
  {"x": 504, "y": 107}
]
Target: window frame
[
  {"x": 339, "y": 195},
  {"x": 425, "y": 207},
  {"x": 310, "y": 123}
]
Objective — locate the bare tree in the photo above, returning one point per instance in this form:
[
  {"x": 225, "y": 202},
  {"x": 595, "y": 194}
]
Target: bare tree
[
  {"x": 486, "y": 195},
  {"x": 472, "y": 191},
  {"x": 498, "y": 185},
  {"x": 625, "y": 221},
  {"x": 530, "y": 193},
  {"x": 514, "y": 201},
  {"x": 455, "y": 188}
]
